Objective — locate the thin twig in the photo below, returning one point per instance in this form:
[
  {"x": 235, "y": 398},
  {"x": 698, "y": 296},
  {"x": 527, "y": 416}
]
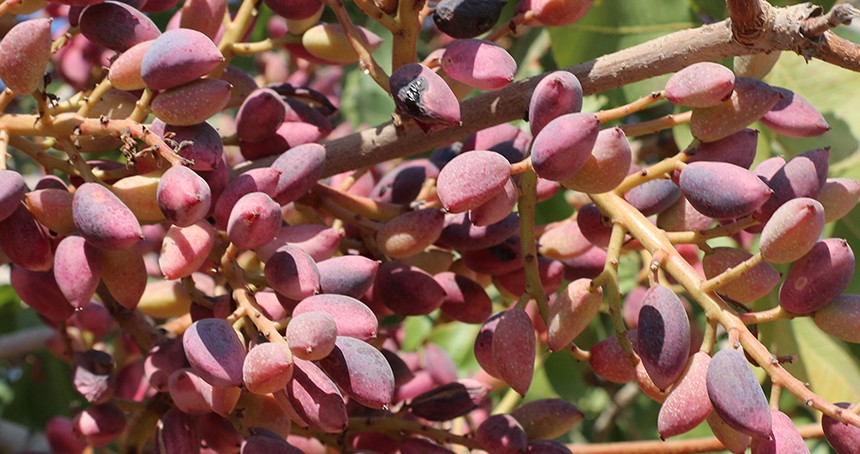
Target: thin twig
[
  {"x": 264, "y": 45},
  {"x": 655, "y": 240},
  {"x": 526, "y": 208},
  {"x": 4, "y": 148},
  {"x": 609, "y": 279},
  {"x": 359, "y": 44},
  {"x": 234, "y": 32},
  {"x": 408, "y": 27},
  {"x": 7, "y": 5},
  {"x": 365, "y": 206},
  {"x": 141, "y": 107},
  {"x": 841, "y": 14},
  {"x": 630, "y": 108},
  {"x": 732, "y": 273},
  {"x": 94, "y": 97},
  {"x": 6, "y": 97},
  {"x": 231, "y": 271},
  {"x": 809, "y": 431},
  {"x": 370, "y": 9},
  {"x": 40, "y": 155},
  {"x": 656, "y": 125},
  {"x": 20, "y": 343}
]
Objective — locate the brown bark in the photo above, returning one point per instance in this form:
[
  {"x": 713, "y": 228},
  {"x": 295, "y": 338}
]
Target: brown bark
[
  {"x": 748, "y": 19},
  {"x": 663, "y": 55}
]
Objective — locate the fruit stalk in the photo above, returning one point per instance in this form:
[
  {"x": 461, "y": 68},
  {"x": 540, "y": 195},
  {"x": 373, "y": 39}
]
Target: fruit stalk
[
  {"x": 630, "y": 108},
  {"x": 369, "y": 8},
  {"x": 94, "y": 97},
  {"x": 241, "y": 293},
  {"x": 732, "y": 273},
  {"x": 366, "y": 60},
  {"x": 264, "y": 45},
  {"x": 527, "y": 201},
  {"x": 656, "y": 125},
  {"x": 408, "y": 27},
  {"x": 5, "y": 98},
  {"x": 655, "y": 240},
  {"x": 7, "y": 5},
  {"x": 4, "y": 148},
  {"x": 234, "y": 31},
  {"x": 658, "y": 170},
  {"x": 609, "y": 279}
]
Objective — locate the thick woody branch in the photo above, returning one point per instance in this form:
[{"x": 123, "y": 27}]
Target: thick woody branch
[
  {"x": 660, "y": 56},
  {"x": 837, "y": 50},
  {"x": 748, "y": 19}
]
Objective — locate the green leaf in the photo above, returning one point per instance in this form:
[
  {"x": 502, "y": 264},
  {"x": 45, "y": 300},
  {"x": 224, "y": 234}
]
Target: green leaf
[
  {"x": 417, "y": 329},
  {"x": 458, "y": 339},
  {"x": 565, "y": 376},
  {"x": 612, "y": 25},
  {"x": 833, "y": 373},
  {"x": 363, "y": 102},
  {"x": 10, "y": 309},
  {"x": 541, "y": 387},
  {"x": 44, "y": 391},
  {"x": 553, "y": 209},
  {"x": 713, "y": 11}
]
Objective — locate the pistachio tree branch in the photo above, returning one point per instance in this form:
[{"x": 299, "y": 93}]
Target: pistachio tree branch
[
  {"x": 809, "y": 431},
  {"x": 841, "y": 14},
  {"x": 748, "y": 18},
  {"x": 20, "y": 343},
  {"x": 838, "y": 51},
  {"x": 655, "y": 240},
  {"x": 670, "y": 53}
]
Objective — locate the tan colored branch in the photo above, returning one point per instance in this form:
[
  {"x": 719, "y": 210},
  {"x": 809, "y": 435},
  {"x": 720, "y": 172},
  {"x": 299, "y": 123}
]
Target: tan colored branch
[
  {"x": 656, "y": 57},
  {"x": 21, "y": 343},
  {"x": 748, "y": 19},
  {"x": 6, "y": 6},
  {"x": 841, "y": 14},
  {"x": 838, "y": 51},
  {"x": 808, "y": 431},
  {"x": 655, "y": 240}
]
